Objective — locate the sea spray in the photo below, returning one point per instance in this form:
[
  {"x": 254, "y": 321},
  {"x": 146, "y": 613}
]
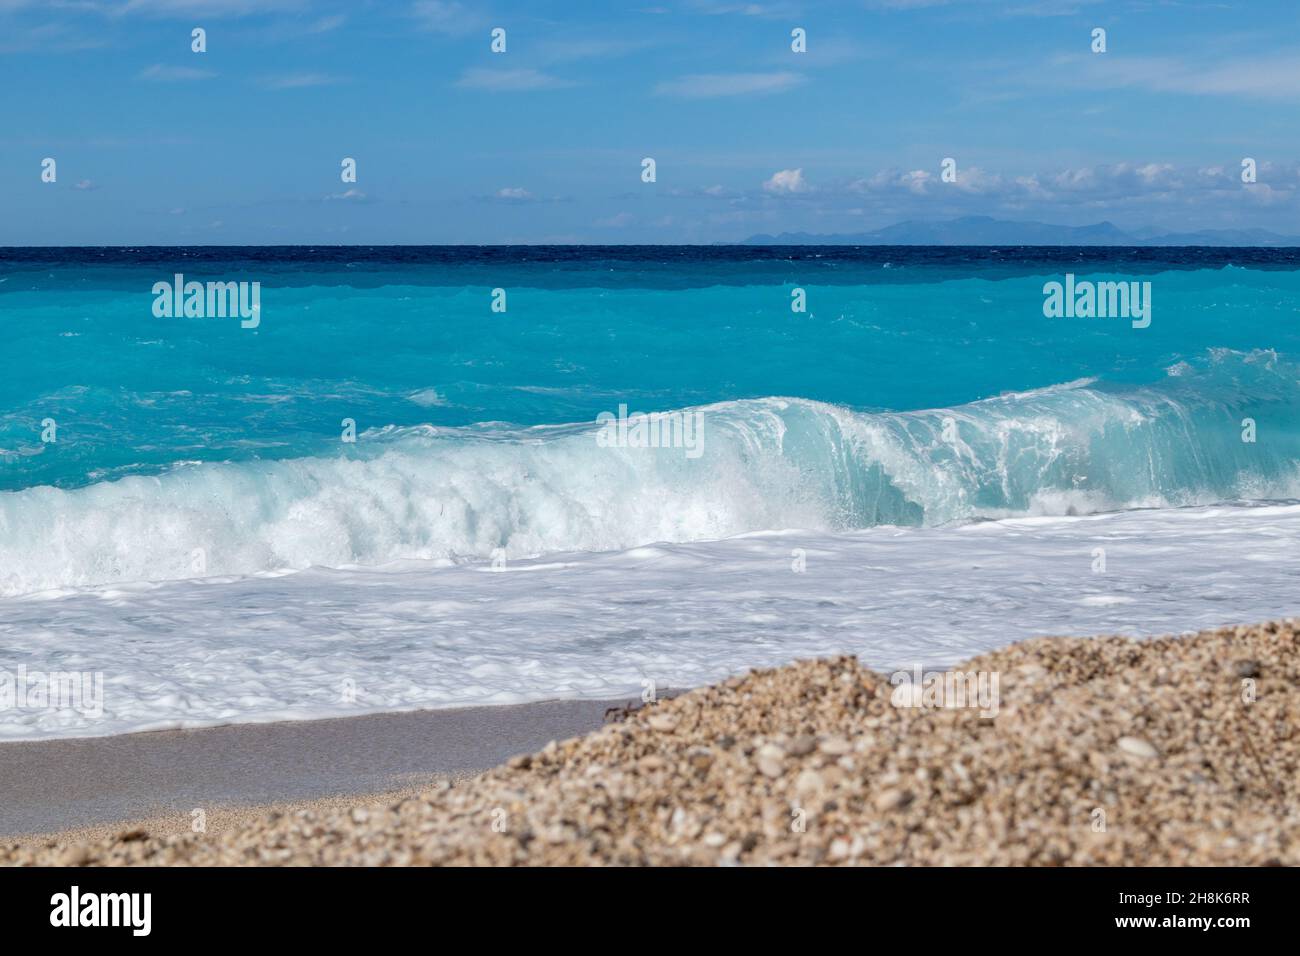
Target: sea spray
[{"x": 772, "y": 463}]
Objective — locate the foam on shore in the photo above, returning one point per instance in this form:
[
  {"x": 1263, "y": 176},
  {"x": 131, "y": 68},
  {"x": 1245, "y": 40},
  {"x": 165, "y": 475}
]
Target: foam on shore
[
  {"x": 417, "y": 635},
  {"x": 1177, "y": 751}
]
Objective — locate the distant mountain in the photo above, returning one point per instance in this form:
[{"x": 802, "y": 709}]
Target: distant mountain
[{"x": 986, "y": 231}]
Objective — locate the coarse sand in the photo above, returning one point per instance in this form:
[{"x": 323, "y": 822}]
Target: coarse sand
[{"x": 1109, "y": 750}]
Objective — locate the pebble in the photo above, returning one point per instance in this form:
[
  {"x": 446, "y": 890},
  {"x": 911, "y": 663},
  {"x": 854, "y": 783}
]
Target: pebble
[
  {"x": 809, "y": 782},
  {"x": 770, "y": 760},
  {"x": 756, "y": 771},
  {"x": 802, "y": 746},
  {"x": 1137, "y": 747},
  {"x": 1246, "y": 668},
  {"x": 888, "y": 800}
]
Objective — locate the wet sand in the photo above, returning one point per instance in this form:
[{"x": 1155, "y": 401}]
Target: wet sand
[
  {"x": 101, "y": 786},
  {"x": 1085, "y": 751}
]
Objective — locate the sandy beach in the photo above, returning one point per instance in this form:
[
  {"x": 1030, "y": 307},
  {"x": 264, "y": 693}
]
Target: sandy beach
[
  {"x": 97, "y": 787},
  {"x": 1178, "y": 750}
]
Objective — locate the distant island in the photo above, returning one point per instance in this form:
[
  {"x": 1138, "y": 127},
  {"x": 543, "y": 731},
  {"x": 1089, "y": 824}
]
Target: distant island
[{"x": 987, "y": 231}]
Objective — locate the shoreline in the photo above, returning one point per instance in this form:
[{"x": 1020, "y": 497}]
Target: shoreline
[
  {"x": 1097, "y": 751},
  {"x": 202, "y": 652},
  {"x": 96, "y": 786}
]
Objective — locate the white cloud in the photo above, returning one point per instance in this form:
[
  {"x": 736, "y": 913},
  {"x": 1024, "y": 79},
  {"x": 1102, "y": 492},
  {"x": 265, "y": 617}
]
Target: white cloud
[
  {"x": 514, "y": 194},
  {"x": 923, "y": 182},
  {"x": 568, "y": 48},
  {"x": 618, "y": 221},
  {"x": 205, "y": 8},
  {"x": 174, "y": 74},
  {"x": 786, "y": 181},
  {"x": 298, "y": 81},
  {"x": 326, "y": 24},
  {"x": 704, "y": 85},
  {"x": 1268, "y": 77},
  {"x": 48, "y": 38},
  {"x": 446, "y": 16},
  {"x": 509, "y": 81},
  {"x": 1114, "y": 187},
  {"x": 1036, "y": 8},
  {"x": 761, "y": 10}
]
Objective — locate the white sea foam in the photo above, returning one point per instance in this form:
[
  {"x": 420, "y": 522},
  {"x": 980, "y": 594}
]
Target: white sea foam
[
  {"x": 459, "y": 494},
  {"x": 418, "y": 634}
]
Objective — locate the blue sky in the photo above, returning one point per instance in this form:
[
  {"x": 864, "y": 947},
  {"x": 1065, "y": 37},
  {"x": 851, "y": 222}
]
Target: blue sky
[{"x": 543, "y": 143}]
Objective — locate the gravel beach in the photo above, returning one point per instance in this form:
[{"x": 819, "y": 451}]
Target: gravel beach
[{"x": 1110, "y": 751}]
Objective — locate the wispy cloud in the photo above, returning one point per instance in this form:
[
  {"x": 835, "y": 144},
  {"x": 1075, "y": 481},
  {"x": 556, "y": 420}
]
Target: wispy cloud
[
  {"x": 1050, "y": 8},
  {"x": 298, "y": 81},
  {"x": 47, "y": 38},
  {"x": 326, "y": 24},
  {"x": 769, "y": 11},
  {"x": 907, "y": 4},
  {"x": 447, "y": 16},
  {"x": 1034, "y": 8},
  {"x": 716, "y": 191},
  {"x": 567, "y": 48},
  {"x": 187, "y": 8},
  {"x": 786, "y": 181},
  {"x": 826, "y": 51},
  {"x": 620, "y": 220},
  {"x": 504, "y": 81},
  {"x": 160, "y": 73},
  {"x": 1093, "y": 186},
  {"x": 1268, "y": 77},
  {"x": 704, "y": 85},
  {"x": 519, "y": 196},
  {"x": 349, "y": 195}
]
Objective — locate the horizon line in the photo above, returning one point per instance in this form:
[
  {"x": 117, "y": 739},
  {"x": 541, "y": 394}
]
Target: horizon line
[{"x": 656, "y": 245}]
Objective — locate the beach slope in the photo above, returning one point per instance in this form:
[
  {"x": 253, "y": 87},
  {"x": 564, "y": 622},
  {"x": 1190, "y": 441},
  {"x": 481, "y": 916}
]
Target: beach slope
[{"x": 1178, "y": 750}]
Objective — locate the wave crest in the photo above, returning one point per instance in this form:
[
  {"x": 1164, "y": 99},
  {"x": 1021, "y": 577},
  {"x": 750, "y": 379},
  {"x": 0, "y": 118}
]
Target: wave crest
[{"x": 769, "y": 463}]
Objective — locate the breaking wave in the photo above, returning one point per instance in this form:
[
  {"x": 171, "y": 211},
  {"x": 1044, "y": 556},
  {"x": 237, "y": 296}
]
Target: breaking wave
[{"x": 459, "y": 494}]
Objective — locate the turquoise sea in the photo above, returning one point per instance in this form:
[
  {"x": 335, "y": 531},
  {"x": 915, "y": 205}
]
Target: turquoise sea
[{"x": 922, "y": 390}]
